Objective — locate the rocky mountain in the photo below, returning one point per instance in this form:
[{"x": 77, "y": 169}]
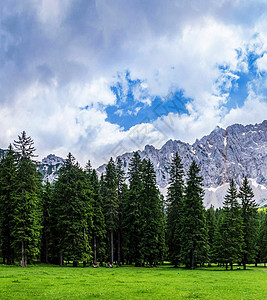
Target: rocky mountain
[
  {"x": 49, "y": 167},
  {"x": 234, "y": 152}
]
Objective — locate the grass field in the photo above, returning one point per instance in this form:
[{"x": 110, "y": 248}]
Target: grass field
[{"x": 53, "y": 282}]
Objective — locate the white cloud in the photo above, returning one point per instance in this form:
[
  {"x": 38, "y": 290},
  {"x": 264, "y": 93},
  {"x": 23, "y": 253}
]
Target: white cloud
[{"x": 55, "y": 61}]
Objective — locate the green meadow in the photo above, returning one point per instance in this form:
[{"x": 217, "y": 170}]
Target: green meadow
[{"x": 128, "y": 282}]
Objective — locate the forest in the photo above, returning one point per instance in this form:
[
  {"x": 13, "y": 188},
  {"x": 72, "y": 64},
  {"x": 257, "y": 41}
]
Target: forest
[{"x": 120, "y": 218}]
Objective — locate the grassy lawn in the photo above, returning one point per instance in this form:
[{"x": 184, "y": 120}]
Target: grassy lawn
[{"x": 53, "y": 282}]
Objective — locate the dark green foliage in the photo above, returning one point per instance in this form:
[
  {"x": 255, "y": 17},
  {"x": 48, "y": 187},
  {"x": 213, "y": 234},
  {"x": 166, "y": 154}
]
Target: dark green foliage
[
  {"x": 121, "y": 191},
  {"x": 263, "y": 240},
  {"x": 72, "y": 213},
  {"x": 211, "y": 229},
  {"x": 99, "y": 228},
  {"x": 27, "y": 209},
  {"x": 248, "y": 212},
  {"x": 175, "y": 210},
  {"x": 46, "y": 222},
  {"x": 194, "y": 246},
  {"x": 153, "y": 238},
  {"x": 231, "y": 229},
  {"x": 110, "y": 203},
  {"x": 7, "y": 187},
  {"x": 132, "y": 212}
]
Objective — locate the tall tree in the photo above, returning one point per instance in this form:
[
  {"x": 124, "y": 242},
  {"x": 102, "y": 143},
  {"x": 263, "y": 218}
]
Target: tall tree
[
  {"x": 211, "y": 228},
  {"x": 27, "y": 209},
  {"x": 132, "y": 212},
  {"x": 232, "y": 228},
  {"x": 110, "y": 203},
  {"x": 46, "y": 221},
  {"x": 121, "y": 190},
  {"x": 7, "y": 187},
  {"x": 73, "y": 213},
  {"x": 263, "y": 240},
  {"x": 175, "y": 209},
  {"x": 194, "y": 246},
  {"x": 99, "y": 227},
  {"x": 248, "y": 211},
  {"x": 152, "y": 226}
]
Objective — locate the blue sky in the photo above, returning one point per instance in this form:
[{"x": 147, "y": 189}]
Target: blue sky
[{"x": 99, "y": 78}]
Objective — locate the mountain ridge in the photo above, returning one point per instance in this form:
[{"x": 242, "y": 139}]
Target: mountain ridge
[{"x": 234, "y": 152}]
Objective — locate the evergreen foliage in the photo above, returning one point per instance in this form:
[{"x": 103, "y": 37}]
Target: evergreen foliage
[
  {"x": 72, "y": 213},
  {"x": 194, "y": 246},
  {"x": 175, "y": 210},
  {"x": 153, "y": 237},
  {"x": 231, "y": 228},
  {"x": 110, "y": 203},
  {"x": 248, "y": 212},
  {"x": 26, "y": 230},
  {"x": 99, "y": 228},
  {"x": 83, "y": 219},
  {"x": 7, "y": 188}
]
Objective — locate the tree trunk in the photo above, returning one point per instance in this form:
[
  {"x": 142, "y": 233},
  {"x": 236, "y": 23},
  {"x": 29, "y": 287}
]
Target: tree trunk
[
  {"x": 46, "y": 250},
  {"x": 75, "y": 263},
  {"x": 192, "y": 260},
  {"x": 61, "y": 259},
  {"x": 111, "y": 250},
  {"x": 95, "y": 258},
  {"x": 23, "y": 256},
  {"x": 119, "y": 248},
  {"x": 244, "y": 266},
  {"x": 231, "y": 265}
]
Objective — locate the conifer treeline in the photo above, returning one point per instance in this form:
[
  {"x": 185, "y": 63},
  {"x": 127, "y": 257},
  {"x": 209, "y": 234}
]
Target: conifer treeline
[{"x": 81, "y": 218}]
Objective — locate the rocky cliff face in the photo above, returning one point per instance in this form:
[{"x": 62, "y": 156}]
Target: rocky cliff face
[
  {"x": 49, "y": 167},
  {"x": 234, "y": 152}
]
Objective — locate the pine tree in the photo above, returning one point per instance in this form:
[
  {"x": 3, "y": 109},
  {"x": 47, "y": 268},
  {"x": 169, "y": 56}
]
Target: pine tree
[
  {"x": 232, "y": 228},
  {"x": 7, "y": 188},
  {"x": 99, "y": 227},
  {"x": 46, "y": 221},
  {"x": 218, "y": 245},
  {"x": 175, "y": 208},
  {"x": 73, "y": 213},
  {"x": 132, "y": 212},
  {"x": 152, "y": 226},
  {"x": 120, "y": 174},
  {"x": 110, "y": 203},
  {"x": 194, "y": 246},
  {"x": 248, "y": 212},
  {"x": 27, "y": 209},
  {"x": 263, "y": 240},
  {"x": 211, "y": 228}
]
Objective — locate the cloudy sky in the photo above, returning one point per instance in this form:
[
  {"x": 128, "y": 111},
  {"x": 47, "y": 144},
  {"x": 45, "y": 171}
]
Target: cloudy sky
[{"x": 99, "y": 78}]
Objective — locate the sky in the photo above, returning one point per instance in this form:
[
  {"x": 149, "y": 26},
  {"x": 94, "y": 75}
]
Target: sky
[{"x": 101, "y": 78}]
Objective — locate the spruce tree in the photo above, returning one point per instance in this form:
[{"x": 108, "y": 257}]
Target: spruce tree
[
  {"x": 232, "y": 228},
  {"x": 132, "y": 222},
  {"x": 263, "y": 240},
  {"x": 26, "y": 230},
  {"x": 46, "y": 221},
  {"x": 248, "y": 212},
  {"x": 7, "y": 188},
  {"x": 152, "y": 226},
  {"x": 194, "y": 246},
  {"x": 73, "y": 213},
  {"x": 175, "y": 209},
  {"x": 110, "y": 203},
  {"x": 99, "y": 227},
  {"x": 120, "y": 174},
  {"x": 211, "y": 228}
]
